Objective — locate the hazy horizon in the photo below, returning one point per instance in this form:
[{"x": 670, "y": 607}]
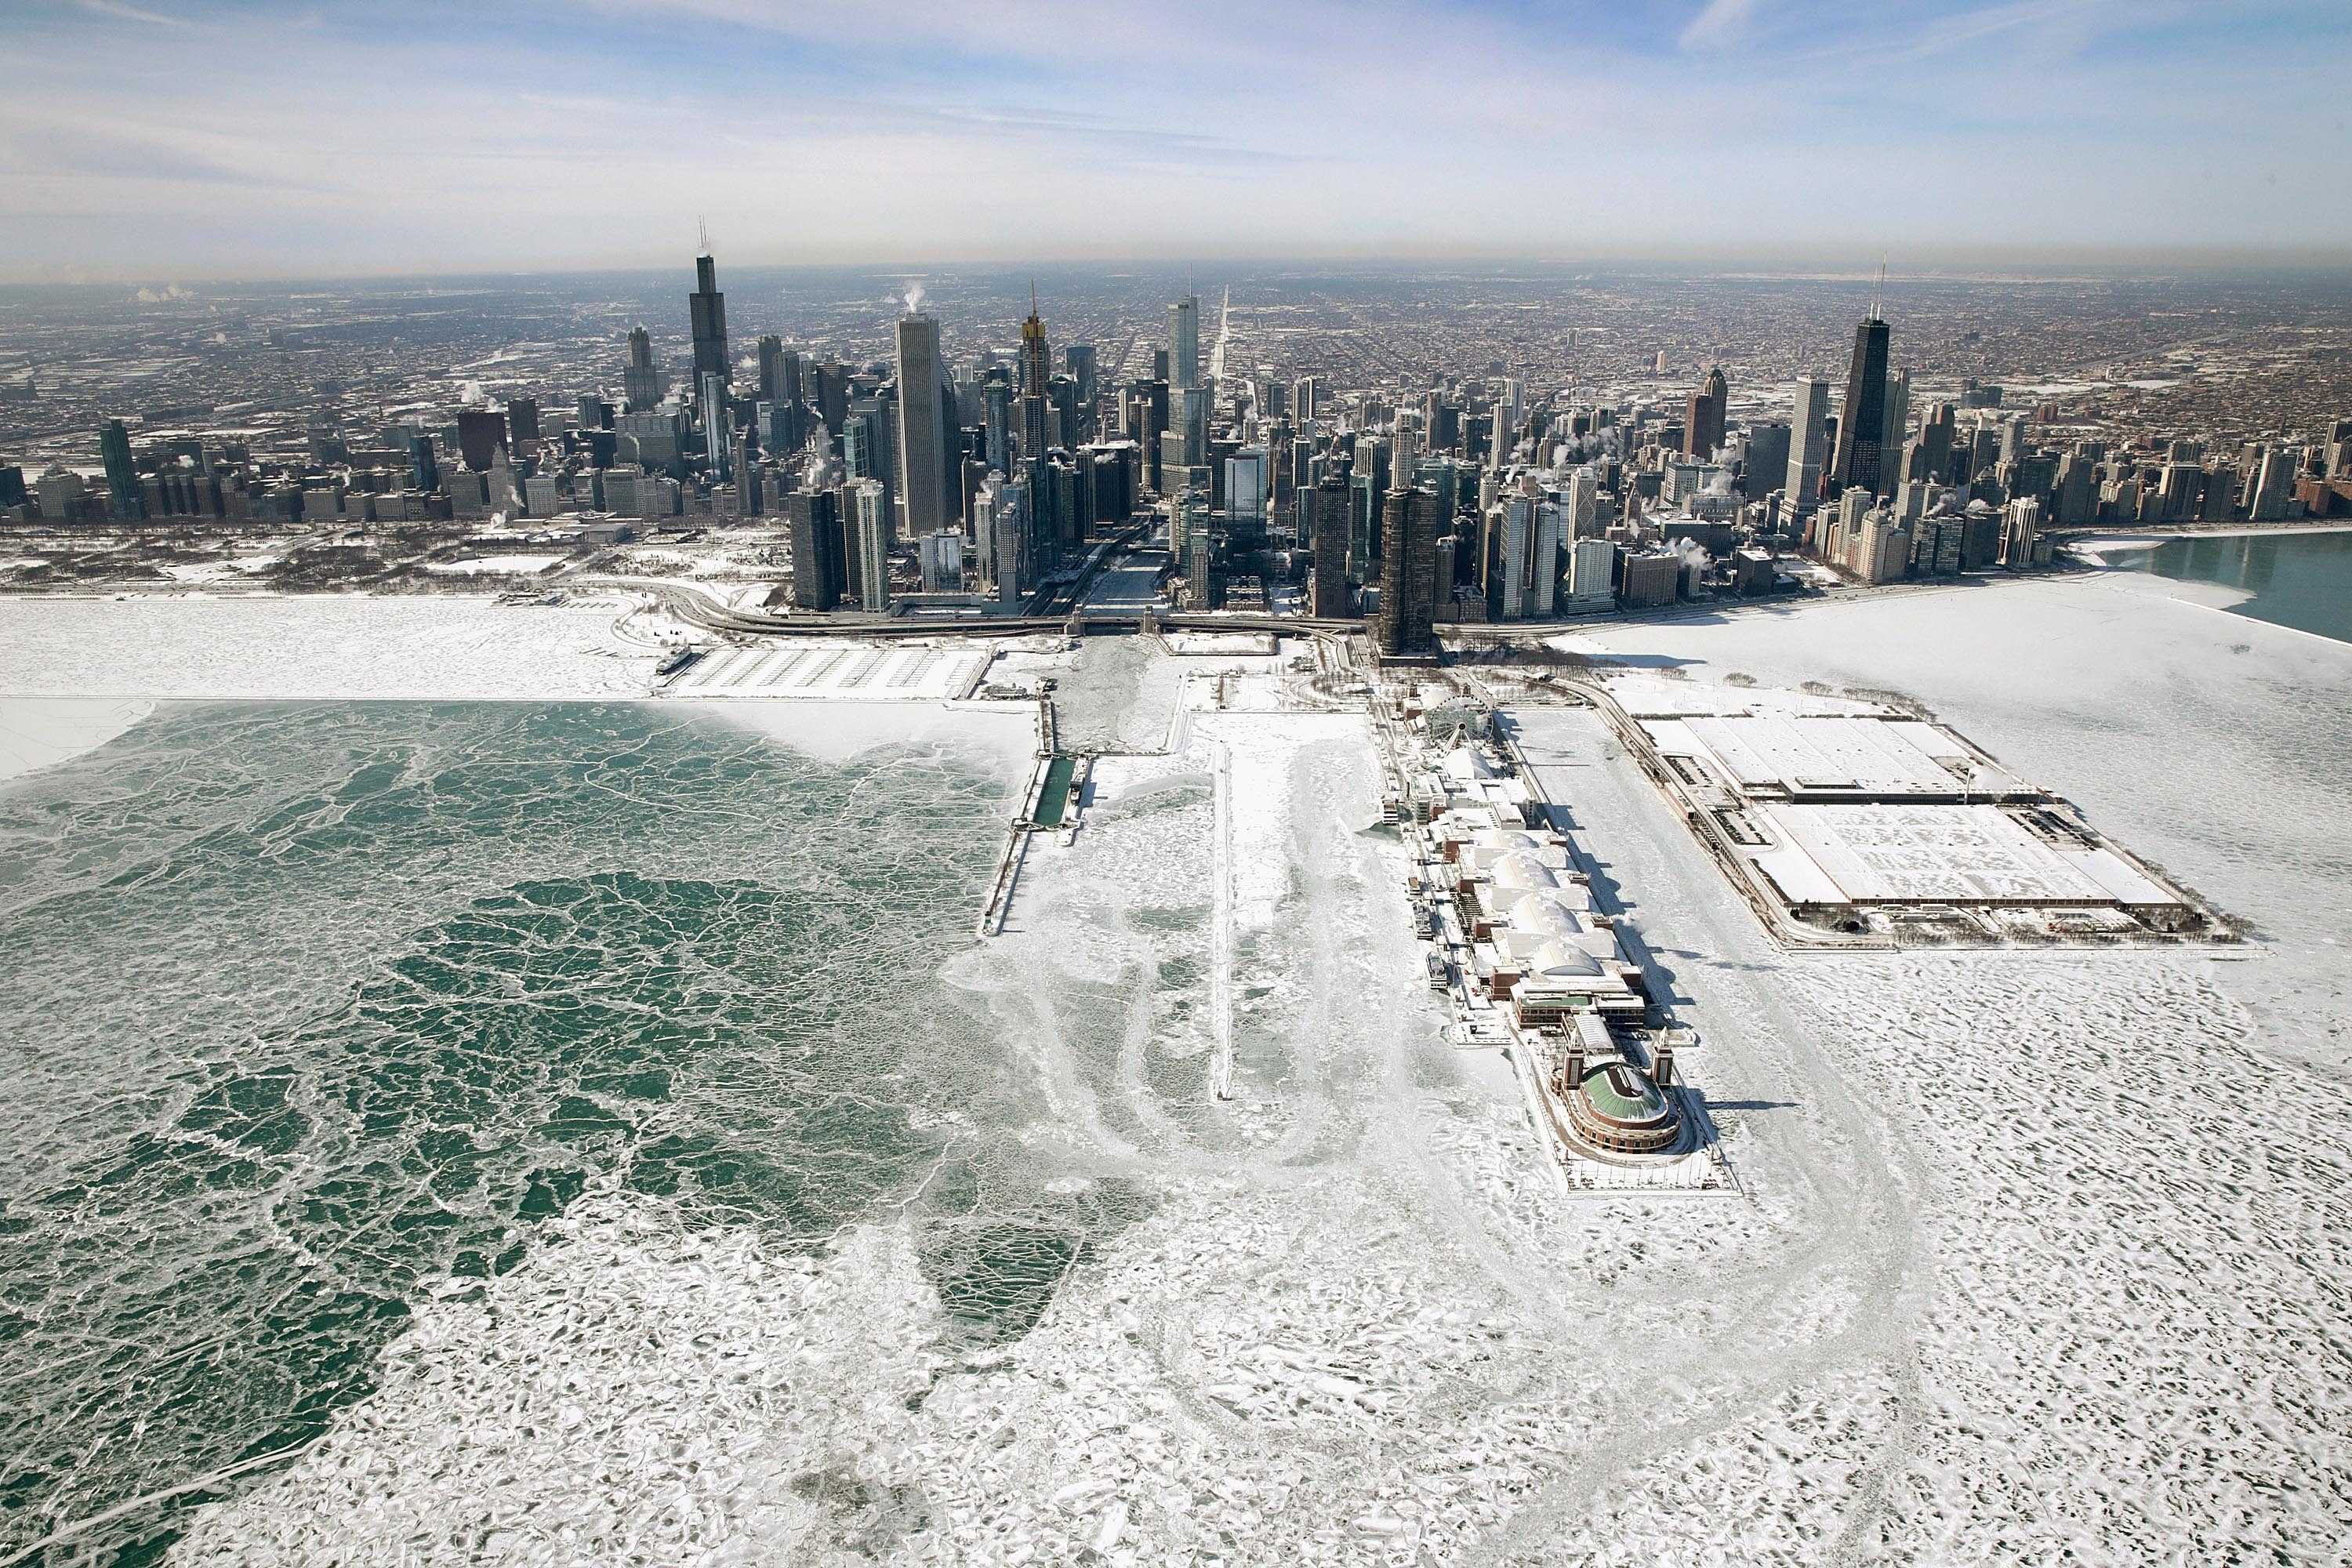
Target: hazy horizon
[{"x": 1210, "y": 270}]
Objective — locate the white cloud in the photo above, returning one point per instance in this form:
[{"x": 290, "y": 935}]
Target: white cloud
[
  {"x": 1724, "y": 22},
  {"x": 115, "y": 8}
]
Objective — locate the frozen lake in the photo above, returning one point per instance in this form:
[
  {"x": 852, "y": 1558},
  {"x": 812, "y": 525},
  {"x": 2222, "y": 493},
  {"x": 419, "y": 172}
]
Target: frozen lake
[{"x": 590, "y": 1132}]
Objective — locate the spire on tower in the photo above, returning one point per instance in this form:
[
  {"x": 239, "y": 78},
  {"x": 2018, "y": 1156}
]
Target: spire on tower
[
  {"x": 1878, "y": 294},
  {"x": 702, "y": 227}
]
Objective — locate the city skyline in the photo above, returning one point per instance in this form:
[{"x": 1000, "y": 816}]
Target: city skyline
[{"x": 441, "y": 141}]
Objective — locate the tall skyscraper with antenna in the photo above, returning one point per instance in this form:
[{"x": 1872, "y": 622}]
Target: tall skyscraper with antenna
[
  {"x": 1035, "y": 374},
  {"x": 1184, "y": 343},
  {"x": 1861, "y": 421},
  {"x": 707, "y": 310}
]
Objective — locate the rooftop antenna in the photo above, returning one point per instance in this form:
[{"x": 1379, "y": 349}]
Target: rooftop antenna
[
  {"x": 1032, "y": 296},
  {"x": 702, "y": 227},
  {"x": 1878, "y": 294}
]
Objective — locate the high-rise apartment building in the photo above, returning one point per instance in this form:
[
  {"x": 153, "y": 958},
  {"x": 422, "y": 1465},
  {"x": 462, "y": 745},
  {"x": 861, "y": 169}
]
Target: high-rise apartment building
[
  {"x": 871, "y": 506},
  {"x": 1408, "y": 573},
  {"x": 813, "y": 527}
]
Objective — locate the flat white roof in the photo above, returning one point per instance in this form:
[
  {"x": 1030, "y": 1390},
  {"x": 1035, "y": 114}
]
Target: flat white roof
[
  {"x": 1867, "y": 756},
  {"x": 1928, "y": 853},
  {"x": 1659, "y": 697}
]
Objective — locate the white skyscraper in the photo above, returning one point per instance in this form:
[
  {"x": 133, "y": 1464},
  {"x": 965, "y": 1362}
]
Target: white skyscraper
[
  {"x": 1591, "y": 575},
  {"x": 1809, "y": 431},
  {"x": 870, "y": 506}
]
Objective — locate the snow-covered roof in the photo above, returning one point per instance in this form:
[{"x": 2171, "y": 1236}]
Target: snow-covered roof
[
  {"x": 1520, "y": 868},
  {"x": 1464, "y": 763}
]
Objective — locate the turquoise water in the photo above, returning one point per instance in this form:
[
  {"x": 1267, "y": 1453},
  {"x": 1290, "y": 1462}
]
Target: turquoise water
[
  {"x": 310, "y": 1006},
  {"x": 2300, "y": 580}
]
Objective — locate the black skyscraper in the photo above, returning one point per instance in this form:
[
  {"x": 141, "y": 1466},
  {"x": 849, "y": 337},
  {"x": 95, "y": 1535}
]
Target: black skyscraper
[
  {"x": 1861, "y": 422},
  {"x": 820, "y": 574},
  {"x": 1408, "y": 573},
  {"x": 707, "y": 308},
  {"x": 123, "y": 499},
  {"x": 1327, "y": 529}
]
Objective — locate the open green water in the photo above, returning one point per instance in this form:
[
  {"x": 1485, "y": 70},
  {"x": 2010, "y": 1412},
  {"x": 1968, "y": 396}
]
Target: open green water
[
  {"x": 2300, "y": 580},
  {"x": 308, "y": 1007}
]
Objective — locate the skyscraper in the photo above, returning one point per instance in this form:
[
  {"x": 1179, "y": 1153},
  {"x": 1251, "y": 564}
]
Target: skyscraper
[
  {"x": 707, "y": 310},
  {"x": 1035, "y": 372},
  {"x": 1894, "y": 430},
  {"x": 716, "y": 435},
  {"x": 1767, "y": 457},
  {"x": 926, "y": 448},
  {"x": 1326, "y": 526},
  {"x": 871, "y": 528},
  {"x": 772, "y": 369},
  {"x": 1247, "y": 474},
  {"x": 424, "y": 473},
  {"x": 1703, "y": 422},
  {"x": 1862, "y": 419},
  {"x": 123, "y": 502},
  {"x": 814, "y": 521},
  {"x": 481, "y": 432},
  {"x": 1408, "y": 573},
  {"x": 1078, "y": 363},
  {"x": 641, "y": 386},
  {"x": 1184, "y": 343},
  {"x": 996, "y": 425},
  {"x": 1807, "y": 440}
]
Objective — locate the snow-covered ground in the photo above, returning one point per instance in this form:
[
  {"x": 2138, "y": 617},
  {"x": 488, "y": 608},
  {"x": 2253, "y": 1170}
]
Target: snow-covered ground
[
  {"x": 320, "y": 646},
  {"x": 1005, "y": 731},
  {"x": 41, "y": 731},
  {"x": 496, "y": 565},
  {"x": 835, "y": 670}
]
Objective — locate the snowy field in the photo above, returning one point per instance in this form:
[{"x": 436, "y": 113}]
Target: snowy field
[
  {"x": 2040, "y": 1257},
  {"x": 320, "y": 646},
  {"x": 42, "y": 731},
  {"x": 804, "y": 670}
]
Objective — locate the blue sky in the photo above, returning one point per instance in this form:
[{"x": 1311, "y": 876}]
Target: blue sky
[{"x": 155, "y": 139}]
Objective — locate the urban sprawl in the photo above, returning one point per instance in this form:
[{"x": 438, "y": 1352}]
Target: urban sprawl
[{"x": 935, "y": 488}]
